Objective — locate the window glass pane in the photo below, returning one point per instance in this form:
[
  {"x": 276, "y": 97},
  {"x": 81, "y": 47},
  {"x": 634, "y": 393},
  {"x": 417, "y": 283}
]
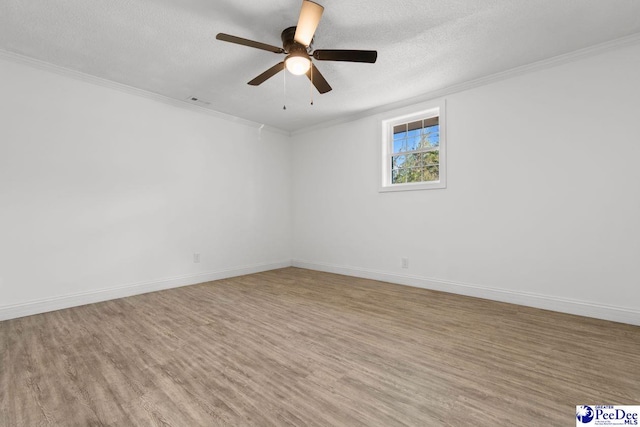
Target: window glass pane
[
  {"x": 431, "y": 157},
  {"x": 398, "y": 145},
  {"x": 414, "y": 174},
  {"x": 413, "y": 142},
  {"x": 413, "y": 129},
  {"x": 413, "y": 160},
  {"x": 398, "y": 161},
  {"x": 397, "y": 177},
  {"x": 415, "y": 125},
  {"x": 424, "y": 142},
  {"x": 433, "y": 121},
  {"x": 400, "y": 131},
  {"x": 431, "y": 136},
  {"x": 432, "y": 173}
]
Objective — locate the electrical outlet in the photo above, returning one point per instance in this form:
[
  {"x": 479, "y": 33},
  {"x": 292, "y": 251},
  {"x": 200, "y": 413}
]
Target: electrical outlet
[
  {"x": 405, "y": 262},
  {"x": 196, "y": 258}
]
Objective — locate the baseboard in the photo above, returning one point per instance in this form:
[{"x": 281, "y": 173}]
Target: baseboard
[
  {"x": 581, "y": 308},
  {"x": 563, "y": 305},
  {"x": 74, "y": 300}
]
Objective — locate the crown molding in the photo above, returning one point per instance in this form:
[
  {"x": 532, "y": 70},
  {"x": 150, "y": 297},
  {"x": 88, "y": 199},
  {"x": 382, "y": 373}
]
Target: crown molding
[
  {"x": 429, "y": 96},
  {"x": 88, "y": 78},
  {"x": 482, "y": 81}
]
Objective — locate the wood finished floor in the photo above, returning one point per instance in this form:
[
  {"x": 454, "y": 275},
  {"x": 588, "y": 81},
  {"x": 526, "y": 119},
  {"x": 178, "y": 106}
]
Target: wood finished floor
[{"x": 296, "y": 347}]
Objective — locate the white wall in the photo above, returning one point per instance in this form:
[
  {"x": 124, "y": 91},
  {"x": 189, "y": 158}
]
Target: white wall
[
  {"x": 101, "y": 190},
  {"x": 104, "y": 194},
  {"x": 543, "y": 200}
]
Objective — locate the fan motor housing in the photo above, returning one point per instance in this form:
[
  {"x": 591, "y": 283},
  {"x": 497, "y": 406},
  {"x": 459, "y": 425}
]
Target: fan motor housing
[{"x": 290, "y": 45}]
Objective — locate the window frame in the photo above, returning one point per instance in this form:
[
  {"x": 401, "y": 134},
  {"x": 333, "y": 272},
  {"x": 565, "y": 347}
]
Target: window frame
[{"x": 425, "y": 111}]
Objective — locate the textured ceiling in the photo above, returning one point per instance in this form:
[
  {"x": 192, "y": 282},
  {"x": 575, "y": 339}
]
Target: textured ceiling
[{"x": 169, "y": 47}]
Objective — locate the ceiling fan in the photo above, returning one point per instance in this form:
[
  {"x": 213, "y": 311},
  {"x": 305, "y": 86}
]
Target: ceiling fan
[{"x": 297, "y": 45}]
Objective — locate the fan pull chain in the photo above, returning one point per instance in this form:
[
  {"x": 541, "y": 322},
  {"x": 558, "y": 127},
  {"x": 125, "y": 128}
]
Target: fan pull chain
[
  {"x": 311, "y": 82},
  {"x": 284, "y": 89}
]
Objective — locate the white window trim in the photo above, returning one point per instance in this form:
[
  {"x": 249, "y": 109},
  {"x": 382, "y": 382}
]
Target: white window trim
[{"x": 428, "y": 110}]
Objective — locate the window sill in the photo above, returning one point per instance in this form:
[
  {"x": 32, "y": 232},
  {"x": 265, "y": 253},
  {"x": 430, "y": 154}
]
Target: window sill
[{"x": 411, "y": 187}]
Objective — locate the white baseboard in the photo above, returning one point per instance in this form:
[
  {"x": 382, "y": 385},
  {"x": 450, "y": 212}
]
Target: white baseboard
[
  {"x": 563, "y": 305},
  {"x": 581, "y": 308},
  {"x": 90, "y": 297}
]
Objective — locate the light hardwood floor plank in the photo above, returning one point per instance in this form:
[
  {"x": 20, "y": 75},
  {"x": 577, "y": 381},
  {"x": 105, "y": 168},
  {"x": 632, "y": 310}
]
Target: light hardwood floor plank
[{"x": 303, "y": 348}]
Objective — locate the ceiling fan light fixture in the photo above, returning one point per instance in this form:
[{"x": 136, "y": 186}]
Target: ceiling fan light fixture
[
  {"x": 297, "y": 64},
  {"x": 297, "y": 45}
]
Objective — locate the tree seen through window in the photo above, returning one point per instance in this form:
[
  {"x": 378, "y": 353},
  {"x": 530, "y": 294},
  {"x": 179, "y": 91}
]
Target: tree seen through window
[{"x": 416, "y": 151}]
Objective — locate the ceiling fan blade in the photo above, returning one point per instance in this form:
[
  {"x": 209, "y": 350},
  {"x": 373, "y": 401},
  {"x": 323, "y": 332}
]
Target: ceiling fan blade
[
  {"x": 267, "y": 74},
  {"x": 369, "y": 56},
  {"x": 246, "y": 42},
  {"x": 318, "y": 80},
  {"x": 310, "y": 15}
]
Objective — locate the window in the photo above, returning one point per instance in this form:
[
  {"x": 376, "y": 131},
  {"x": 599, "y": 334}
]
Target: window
[{"x": 413, "y": 151}]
